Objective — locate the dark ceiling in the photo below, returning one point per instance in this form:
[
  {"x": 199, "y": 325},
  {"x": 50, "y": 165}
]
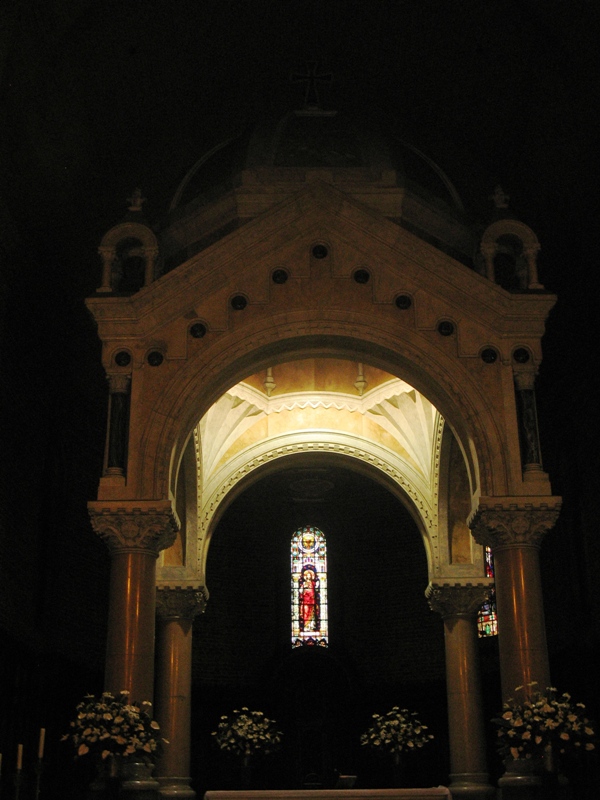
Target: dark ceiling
[{"x": 98, "y": 98}]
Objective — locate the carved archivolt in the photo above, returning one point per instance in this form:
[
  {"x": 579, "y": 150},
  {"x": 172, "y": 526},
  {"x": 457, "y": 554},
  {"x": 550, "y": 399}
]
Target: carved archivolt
[
  {"x": 209, "y": 372},
  {"x": 377, "y": 457}
]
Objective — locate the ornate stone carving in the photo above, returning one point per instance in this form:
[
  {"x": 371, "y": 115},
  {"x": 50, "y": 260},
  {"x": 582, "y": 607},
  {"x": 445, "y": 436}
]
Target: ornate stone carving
[
  {"x": 180, "y": 602},
  {"x": 148, "y": 528},
  {"x": 512, "y": 524},
  {"x": 458, "y": 600}
]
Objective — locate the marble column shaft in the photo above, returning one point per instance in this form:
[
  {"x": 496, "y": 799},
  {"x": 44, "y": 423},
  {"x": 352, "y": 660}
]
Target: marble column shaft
[
  {"x": 176, "y": 609},
  {"x": 134, "y": 538},
  {"x": 515, "y": 533},
  {"x": 458, "y": 606}
]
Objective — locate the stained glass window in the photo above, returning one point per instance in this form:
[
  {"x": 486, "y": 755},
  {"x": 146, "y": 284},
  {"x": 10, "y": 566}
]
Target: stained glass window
[
  {"x": 309, "y": 587},
  {"x": 487, "y": 619}
]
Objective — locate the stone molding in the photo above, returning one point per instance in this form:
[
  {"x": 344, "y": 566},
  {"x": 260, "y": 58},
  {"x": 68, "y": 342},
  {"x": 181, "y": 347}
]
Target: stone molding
[
  {"x": 180, "y": 603},
  {"x": 517, "y": 523},
  {"x": 144, "y": 525},
  {"x": 460, "y": 600}
]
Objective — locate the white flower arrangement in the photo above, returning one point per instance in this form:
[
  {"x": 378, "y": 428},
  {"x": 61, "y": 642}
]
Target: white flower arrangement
[
  {"x": 395, "y": 732},
  {"x": 112, "y": 725},
  {"x": 247, "y": 733},
  {"x": 530, "y": 726}
]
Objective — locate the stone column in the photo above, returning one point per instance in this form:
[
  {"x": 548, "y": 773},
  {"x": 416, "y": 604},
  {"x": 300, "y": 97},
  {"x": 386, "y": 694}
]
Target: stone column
[
  {"x": 514, "y": 528},
  {"x": 135, "y": 531},
  {"x": 531, "y": 455},
  {"x": 458, "y": 606},
  {"x": 108, "y": 255},
  {"x": 489, "y": 251},
  {"x": 118, "y": 423},
  {"x": 151, "y": 256},
  {"x": 531, "y": 253},
  {"x": 175, "y": 609}
]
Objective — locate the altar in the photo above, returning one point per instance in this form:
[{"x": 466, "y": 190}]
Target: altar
[{"x": 433, "y": 793}]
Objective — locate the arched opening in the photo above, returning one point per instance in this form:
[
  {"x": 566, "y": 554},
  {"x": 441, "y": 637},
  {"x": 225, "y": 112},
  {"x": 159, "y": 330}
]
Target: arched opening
[
  {"x": 194, "y": 395},
  {"x": 385, "y": 645},
  {"x": 335, "y": 408}
]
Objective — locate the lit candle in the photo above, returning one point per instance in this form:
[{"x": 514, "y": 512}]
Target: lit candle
[
  {"x": 19, "y": 757},
  {"x": 41, "y": 744}
]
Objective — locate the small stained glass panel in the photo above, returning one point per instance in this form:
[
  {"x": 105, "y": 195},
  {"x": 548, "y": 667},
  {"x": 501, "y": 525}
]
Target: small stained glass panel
[
  {"x": 487, "y": 618},
  {"x": 309, "y": 587}
]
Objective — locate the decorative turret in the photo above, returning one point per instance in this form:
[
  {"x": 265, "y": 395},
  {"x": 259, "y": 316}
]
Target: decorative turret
[
  {"x": 509, "y": 249},
  {"x": 129, "y": 252}
]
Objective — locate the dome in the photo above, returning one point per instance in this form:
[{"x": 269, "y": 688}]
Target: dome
[
  {"x": 258, "y": 168},
  {"x": 314, "y": 139}
]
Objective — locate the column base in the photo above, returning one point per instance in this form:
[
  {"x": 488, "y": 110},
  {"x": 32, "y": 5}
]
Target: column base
[
  {"x": 474, "y": 785},
  {"x": 175, "y": 787}
]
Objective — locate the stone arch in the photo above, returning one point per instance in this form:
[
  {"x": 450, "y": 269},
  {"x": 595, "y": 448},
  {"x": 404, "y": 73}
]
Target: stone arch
[
  {"x": 203, "y": 378},
  {"x": 358, "y": 455}
]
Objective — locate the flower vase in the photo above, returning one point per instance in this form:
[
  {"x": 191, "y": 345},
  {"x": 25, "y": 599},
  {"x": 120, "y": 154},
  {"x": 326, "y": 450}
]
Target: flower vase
[
  {"x": 137, "y": 782},
  {"x": 398, "y": 771},
  {"x": 555, "y": 783},
  {"x": 522, "y": 779},
  {"x": 246, "y": 772},
  {"x": 106, "y": 782}
]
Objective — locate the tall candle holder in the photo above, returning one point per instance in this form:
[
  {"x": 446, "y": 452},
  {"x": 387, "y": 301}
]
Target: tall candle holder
[
  {"x": 38, "y": 778},
  {"x": 39, "y": 765},
  {"x": 17, "y": 779},
  {"x": 17, "y": 783}
]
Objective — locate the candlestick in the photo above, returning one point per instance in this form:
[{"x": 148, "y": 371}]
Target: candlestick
[
  {"x": 19, "y": 757},
  {"x": 38, "y": 777},
  {"x": 41, "y": 743}
]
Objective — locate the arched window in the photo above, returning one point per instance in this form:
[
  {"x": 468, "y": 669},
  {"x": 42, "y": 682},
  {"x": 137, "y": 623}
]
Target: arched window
[
  {"x": 309, "y": 587},
  {"x": 487, "y": 619}
]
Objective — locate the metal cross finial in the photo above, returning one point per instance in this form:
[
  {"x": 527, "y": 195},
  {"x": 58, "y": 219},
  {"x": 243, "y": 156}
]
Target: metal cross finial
[
  {"x": 136, "y": 200},
  {"x": 311, "y": 99},
  {"x": 500, "y": 198}
]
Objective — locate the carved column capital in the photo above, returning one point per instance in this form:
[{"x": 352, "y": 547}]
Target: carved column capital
[
  {"x": 458, "y": 600},
  {"x": 180, "y": 602},
  {"x": 509, "y": 524},
  {"x": 140, "y": 525},
  {"x": 119, "y": 382},
  {"x": 524, "y": 376}
]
